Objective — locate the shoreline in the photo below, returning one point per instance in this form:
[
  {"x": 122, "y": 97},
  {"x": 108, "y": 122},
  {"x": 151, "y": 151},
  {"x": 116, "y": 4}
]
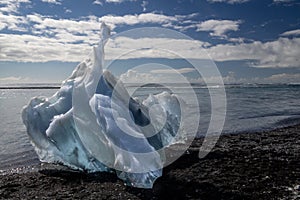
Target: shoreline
[{"x": 263, "y": 165}]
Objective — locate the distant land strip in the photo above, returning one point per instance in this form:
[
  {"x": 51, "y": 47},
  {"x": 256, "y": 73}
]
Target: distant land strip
[{"x": 31, "y": 87}]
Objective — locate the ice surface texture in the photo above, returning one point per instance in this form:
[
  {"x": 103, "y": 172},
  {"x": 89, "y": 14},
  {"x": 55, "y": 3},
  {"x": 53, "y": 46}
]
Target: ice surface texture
[{"x": 93, "y": 124}]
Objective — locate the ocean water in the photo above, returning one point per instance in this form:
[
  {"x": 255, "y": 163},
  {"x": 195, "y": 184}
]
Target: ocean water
[
  {"x": 250, "y": 108},
  {"x": 15, "y": 148}
]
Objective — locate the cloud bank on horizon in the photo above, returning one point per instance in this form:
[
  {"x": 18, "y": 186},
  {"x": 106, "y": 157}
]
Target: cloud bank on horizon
[{"x": 263, "y": 34}]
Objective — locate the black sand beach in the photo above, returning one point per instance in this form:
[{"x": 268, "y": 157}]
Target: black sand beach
[{"x": 245, "y": 166}]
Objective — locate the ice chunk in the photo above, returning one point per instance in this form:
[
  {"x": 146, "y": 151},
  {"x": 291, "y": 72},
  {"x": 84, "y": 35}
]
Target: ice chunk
[{"x": 93, "y": 124}]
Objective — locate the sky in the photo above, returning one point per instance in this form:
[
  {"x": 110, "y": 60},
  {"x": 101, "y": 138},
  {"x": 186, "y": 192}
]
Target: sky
[{"x": 250, "y": 41}]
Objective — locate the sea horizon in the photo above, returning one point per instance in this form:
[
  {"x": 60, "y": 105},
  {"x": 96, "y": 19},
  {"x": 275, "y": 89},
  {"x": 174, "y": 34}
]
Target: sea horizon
[{"x": 56, "y": 85}]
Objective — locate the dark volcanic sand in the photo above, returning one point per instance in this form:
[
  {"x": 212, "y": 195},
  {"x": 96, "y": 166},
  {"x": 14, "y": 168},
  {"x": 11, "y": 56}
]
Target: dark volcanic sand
[{"x": 245, "y": 166}]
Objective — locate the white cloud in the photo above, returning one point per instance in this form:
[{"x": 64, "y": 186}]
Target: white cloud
[
  {"x": 11, "y": 79},
  {"x": 286, "y": 2},
  {"x": 273, "y": 79},
  {"x": 283, "y": 52},
  {"x": 50, "y": 39},
  {"x": 11, "y": 6},
  {"x": 36, "y": 18},
  {"x": 282, "y": 1},
  {"x": 52, "y": 1},
  {"x": 218, "y": 27},
  {"x": 291, "y": 33},
  {"x": 230, "y": 78},
  {"x": 228, "y": 1},
  {"x": 114, "y": 1},
  {"x": 172, "y": 76},
  {"x": 98, "y": 2},
  {"x": 117, "y": 1},
  {"x": 143, "y": 18},
  {"x": 134, "y": 76},
  {"x": 283, "y": 78},
  {"x": 28, "y": 48},
  {"x": 64, "y": 39},
  {"x": 2, "y": 25},
  {"x": 68, "y": 11},
  {"x": 155, "y": 48},
  {"x": 144, "y": 4},
  {"x": 72, "y": 26},
  {"x": 12, "y": 22},
  {"x": 172, "y": 71},
  {"x": 92, "y": 23}
]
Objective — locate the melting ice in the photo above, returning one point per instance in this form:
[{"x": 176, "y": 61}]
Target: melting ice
[{"x": 92, "y": 124}]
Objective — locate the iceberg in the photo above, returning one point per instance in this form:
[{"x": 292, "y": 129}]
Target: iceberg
[{"x": 92, "y": 124}]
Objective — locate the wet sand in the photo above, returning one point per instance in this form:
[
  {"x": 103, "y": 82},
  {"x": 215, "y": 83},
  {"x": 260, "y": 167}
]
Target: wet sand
[{"x": 262, "y": 165}]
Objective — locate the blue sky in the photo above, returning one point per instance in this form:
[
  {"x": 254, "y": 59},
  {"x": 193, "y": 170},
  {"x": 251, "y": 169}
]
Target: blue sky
[{"x": 249, "y": 40}]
